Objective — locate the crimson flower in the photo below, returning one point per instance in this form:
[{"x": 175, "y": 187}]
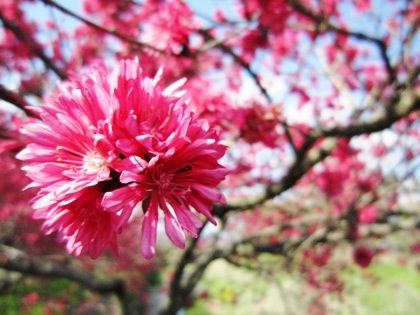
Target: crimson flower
[
  {"x": 170, "y": 157},
  {"x": 368, "y": 214},
  {"x": 107, "y": 144},
  {"x": 67, "y": 159},
  {"x": 363, "y": 255}
]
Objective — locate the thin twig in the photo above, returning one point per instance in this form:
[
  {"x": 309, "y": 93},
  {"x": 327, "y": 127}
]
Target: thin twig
[
  {"x": 245, "y": 65},
  {"x": 13, "y": 259},
  {"x": 177, "y": 291},
  {"x": 15, "y": 99},
  {"x": 325, "y": 24},
  {"x": 25, "y": 38},
  {"x": 100, "y": 28}
]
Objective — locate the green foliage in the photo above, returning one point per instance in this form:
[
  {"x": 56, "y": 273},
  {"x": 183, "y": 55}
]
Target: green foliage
[
  {"x": 153, "y": 277},
  {"x": 383, "y": 288},
  {"x": 48, "y": 291},
  {"x": 199, "y": 308}
]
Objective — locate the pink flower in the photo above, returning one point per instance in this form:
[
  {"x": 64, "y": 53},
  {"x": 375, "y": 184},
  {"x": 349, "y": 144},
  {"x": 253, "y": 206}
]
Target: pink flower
[
  {"x": 108, "y": 144},
  {"x": 80, "y": 221},
  {"x": 170, "y": 157},
  {"x": 415, "y": 247},
  {"x": 368, "y": 214},
  {"x": 170, "y": 26},
  {"x": 30, "y": 298},
  {"x": 363, "y": 255},
  {"x": 70, "y": 161},
  {"x": 260, "y": 123},
  {"x": 251, "y": 41}
]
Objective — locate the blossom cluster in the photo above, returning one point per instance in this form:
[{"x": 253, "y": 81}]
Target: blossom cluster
[{"x": 109, "y": 145}]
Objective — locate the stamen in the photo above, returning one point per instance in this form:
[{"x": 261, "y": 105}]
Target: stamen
[
  {"x": 93, "y": 162},
  {"x": 71, "y": 151}
]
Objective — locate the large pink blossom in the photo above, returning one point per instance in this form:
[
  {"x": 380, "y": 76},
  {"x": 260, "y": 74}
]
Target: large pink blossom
[
  {"x": 68, "y": 160},
  {"x": 107, "y": 144},
  {"x": 170, "y": 157}
]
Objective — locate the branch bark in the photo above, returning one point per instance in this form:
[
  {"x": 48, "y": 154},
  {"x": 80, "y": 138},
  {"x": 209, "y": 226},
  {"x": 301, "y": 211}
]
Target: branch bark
[
  {"x": 245, "y": 65},
  {"x": 181, "y": 287},
  {"x": 386, "y": 224},
  {"x": 15, "y": 99},
  {"x": 405, "y": 100},
  {"x": 13, "y": 259},
  {"x": 306, "y": 157},
  {"x": 100, "y": 28},
  {"x": 324, "y": 24},
  {"x": 33, "y": 45}
]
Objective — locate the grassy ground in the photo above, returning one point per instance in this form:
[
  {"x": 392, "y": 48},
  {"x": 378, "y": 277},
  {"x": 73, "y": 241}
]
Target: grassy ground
[{"x": 385, "y": 288}]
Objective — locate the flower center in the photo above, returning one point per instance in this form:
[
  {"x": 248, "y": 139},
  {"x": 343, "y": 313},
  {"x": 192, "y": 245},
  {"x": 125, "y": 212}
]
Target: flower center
[
  {"x": 93, "y": 162},
  {"x": 165, "y": 180}
]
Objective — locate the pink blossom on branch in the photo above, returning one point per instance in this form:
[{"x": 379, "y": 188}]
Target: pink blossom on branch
[
  {"x": 68, "y": 162},
  {"x": 170, "y": 157},
  {"x": 107, "y": 144}
]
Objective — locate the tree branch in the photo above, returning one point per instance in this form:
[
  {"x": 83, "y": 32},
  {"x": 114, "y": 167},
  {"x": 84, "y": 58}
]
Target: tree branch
[
  {"x": 226, "y": 49},
  {"x": 305, "y": 159},
  {"x": 325, "y": 24},
  {"x": 16, "y": 100},
  {"x": 405, "y": 100},
  {"x": 332, "y": 231},
  {"x": 33, "y": 45},
  {"x": 177, "y": 289},
  {"x": 13, "y": 259},
  {"x": 114, "y": 33}
]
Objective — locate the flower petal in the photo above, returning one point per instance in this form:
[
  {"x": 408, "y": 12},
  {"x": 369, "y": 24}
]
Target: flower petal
[
  {"x": 149, "y": 230},
  {"x": 172, "y": 228}
]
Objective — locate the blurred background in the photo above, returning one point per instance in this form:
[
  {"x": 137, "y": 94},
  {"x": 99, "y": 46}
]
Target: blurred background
[{"x": 318, "y": 103}]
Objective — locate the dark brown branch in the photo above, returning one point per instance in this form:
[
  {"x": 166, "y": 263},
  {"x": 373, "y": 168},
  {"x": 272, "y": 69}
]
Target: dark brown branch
[
  {"x": 406, "y": 99},
  {"x": 245, "y": 65},
  {"x": 385, "y": 224},
  {"x": 323, "y": 24},
  {"x": 14, "y": 260},
  {"x": 177, "y": 290},
  {"x": 21, "y": 35},
  {"x": 16, "y": 100},
  {"x": 305, "y": 159},
  {"x": 114, "y": 33}
]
